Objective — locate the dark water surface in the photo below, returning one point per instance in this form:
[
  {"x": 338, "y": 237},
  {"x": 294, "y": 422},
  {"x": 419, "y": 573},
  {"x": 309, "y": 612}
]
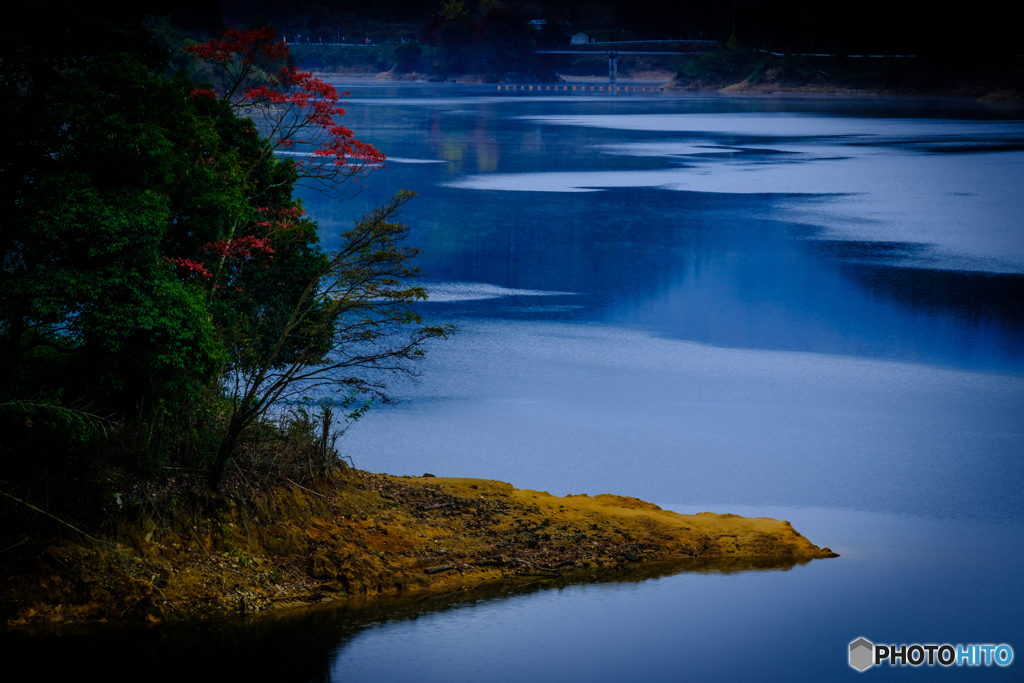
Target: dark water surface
[{"x": 801, "y": 308}]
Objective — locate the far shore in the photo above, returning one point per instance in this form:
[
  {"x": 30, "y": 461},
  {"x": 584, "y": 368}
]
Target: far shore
[
  {"x": 668, "y": 83},
  {"x": 747, "y": 88}
]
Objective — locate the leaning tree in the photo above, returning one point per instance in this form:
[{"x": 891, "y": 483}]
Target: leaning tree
[{"x": 298, "y": 320}]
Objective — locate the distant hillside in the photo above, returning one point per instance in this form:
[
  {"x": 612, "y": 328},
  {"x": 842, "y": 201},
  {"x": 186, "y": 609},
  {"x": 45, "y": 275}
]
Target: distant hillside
[
  {"x": 872, "y": 26},
  {"x": 742, "y": 70}
]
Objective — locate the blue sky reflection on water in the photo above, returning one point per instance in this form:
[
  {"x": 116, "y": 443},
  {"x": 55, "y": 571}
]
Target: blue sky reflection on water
[{"x": 764, "y": 306}]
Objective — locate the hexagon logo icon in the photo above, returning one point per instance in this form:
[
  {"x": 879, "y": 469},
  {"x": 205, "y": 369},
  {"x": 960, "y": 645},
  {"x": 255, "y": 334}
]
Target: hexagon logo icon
[{"x": 861, "y": 654}]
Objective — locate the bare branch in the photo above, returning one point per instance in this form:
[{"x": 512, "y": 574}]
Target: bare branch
[{"x": 353, "y": 322}]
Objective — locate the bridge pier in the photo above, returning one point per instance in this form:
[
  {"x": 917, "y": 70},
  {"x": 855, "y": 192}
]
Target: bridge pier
[{"x": 613, "y": 66}]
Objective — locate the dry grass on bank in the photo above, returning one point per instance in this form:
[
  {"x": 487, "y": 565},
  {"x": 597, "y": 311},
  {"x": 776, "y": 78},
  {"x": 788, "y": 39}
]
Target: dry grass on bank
[{"x": 360, "y": 534}]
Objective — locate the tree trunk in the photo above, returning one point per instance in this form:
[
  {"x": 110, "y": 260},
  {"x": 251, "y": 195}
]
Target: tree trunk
[{"x": 227, "y": 447}]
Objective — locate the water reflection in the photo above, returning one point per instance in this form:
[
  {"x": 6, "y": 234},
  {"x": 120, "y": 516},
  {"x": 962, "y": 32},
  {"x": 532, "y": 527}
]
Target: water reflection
[
  {"x": 900, "y": 579},
  {"x": 301, "y": 645},
  {"x": 737, "y": 268},
  {"x": 759, "y": 301},
  {"x": 763, "y": 223},
  {"x": 712, "y": 270},
  {"x": 787, "y": 310}
]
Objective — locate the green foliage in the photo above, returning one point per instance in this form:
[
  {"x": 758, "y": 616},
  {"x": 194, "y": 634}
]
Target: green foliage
[
  {"x": 341, "y": 56},
  {"x": 453, "y": 9},
  {"x": 354, "y": 318},
  {"x": 74, "y": 421},
  {"x": 92, "y": 313},
  {"x": 162, "y": 289},
  {"x": 405, "y": 55},
  {"x": 723, "y": 66},
  {"x": 497, "y": 43}
]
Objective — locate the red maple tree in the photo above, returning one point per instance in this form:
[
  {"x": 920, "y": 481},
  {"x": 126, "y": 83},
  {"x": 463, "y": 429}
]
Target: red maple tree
[
  {"x": 301, "y": 321},
  {"x": 296, "y": 112}
]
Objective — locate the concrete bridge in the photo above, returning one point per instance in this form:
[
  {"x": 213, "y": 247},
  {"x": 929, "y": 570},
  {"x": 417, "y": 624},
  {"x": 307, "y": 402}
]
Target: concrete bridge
[{"x": 632, "y": 47}]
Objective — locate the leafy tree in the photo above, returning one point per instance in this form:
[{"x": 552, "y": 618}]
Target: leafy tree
[
  {"x": 153, "y": 255},
  {"x": 296, "y": 113},
  {"x": 453, "y": 9},
  {"x": 296, "y": 319},
  {"x": 496, "y": 43},
  {"x": 90, "y": 311},
  {"x": 405, "y": 55},
  {"x": 350, "y": 317}
]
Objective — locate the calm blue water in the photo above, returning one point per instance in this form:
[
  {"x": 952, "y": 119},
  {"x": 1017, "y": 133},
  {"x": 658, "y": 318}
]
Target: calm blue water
[
  {"x": 807, "y": 309},
  {"x": 801, "y": 308},
  {"x": 706, "y": 300}
]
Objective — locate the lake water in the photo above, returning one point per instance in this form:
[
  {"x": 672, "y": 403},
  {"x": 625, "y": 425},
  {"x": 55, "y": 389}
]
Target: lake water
[{"x": 809, "y": 309}]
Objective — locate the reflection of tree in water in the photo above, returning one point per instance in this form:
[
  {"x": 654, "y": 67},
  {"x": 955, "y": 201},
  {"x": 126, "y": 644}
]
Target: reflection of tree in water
[
  {"x": 298, "y": 645},
  {"x": 604, "y": 243},
  {"x": 971, "y": 298},
  {"x": 702, "y": 267}
]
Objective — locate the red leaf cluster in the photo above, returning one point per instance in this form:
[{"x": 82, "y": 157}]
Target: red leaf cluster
[
  {"x": 252, "y": 45},
  {"x": 296, "y": 108},
  {"x": 239, "y": 248},
  {"x": 202, "y": 94},
  {"x": 192, "y": 267}
]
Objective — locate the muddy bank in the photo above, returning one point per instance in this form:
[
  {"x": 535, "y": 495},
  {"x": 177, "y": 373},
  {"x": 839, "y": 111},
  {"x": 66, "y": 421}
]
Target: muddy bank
[
  {"x": 744, "y": 71},
  {"x": 747, "y": 87},
  {"x": 362, "y": 535}
]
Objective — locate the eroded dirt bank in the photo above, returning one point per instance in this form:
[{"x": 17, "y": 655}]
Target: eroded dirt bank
[
  {"x": 774, "y": 86},
  {"x": 361, "y": 534}
]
